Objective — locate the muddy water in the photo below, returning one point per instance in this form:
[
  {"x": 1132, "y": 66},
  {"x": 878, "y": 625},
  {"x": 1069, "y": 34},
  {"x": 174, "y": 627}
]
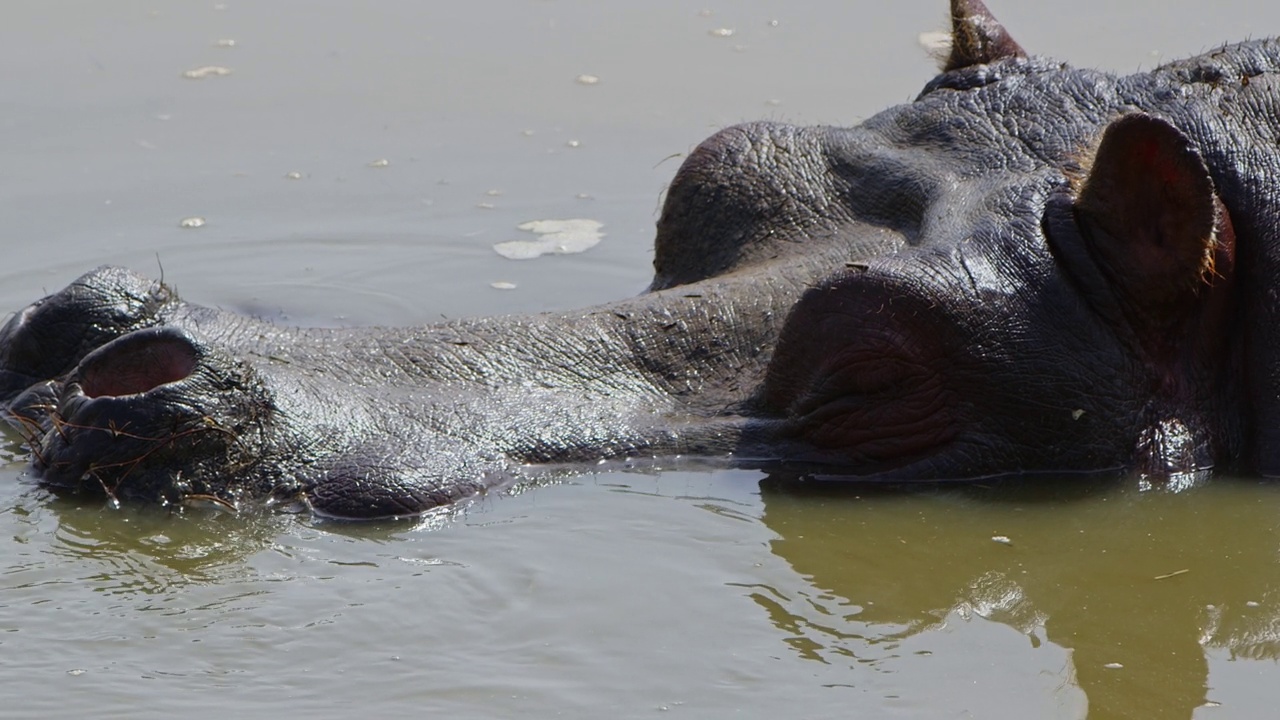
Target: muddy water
[{"x": 356, "y": 166}]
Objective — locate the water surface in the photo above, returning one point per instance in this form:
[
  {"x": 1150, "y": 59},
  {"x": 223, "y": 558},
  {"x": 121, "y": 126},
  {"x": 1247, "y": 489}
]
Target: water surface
[{"x": 700, "y": 593}]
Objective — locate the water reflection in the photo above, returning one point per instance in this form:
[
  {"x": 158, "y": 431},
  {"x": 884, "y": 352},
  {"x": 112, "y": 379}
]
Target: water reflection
[
  {"x": 1137, "y": 584},
  {"x": 134, "y": 550},
  {"x": 1142, "y": 588}
]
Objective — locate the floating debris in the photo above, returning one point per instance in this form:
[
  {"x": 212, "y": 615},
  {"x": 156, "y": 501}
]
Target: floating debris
[
  {"x": 191, "y": 222},
  {"x": 556, "y": 237},
  {"x": 722, "y": 32},
  {"x": 1252, "y": 603},
  {"x": 1175, "y": 573},
  {"x": 293, "y": 176},
  {"x": 380, "y": 163},
  {"x": 588, "y": 80},
  {"x": 1113, "y": 666},
  {"x": 208, "y": 502},
  {"x": 224, "y": 43},
  {"x": 201, "y": 73},
  {"x": 502, "y": 285},
  {"x": 934, "y": 41},
  {"x": 1077, "y": 414},
  {"x": 573, "y": 144},
  {"x": 1002, "y": 539}
]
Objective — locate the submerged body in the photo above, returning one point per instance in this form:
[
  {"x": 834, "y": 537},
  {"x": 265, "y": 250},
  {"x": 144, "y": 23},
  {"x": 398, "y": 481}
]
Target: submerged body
[{"x": 1029, "y": 269}]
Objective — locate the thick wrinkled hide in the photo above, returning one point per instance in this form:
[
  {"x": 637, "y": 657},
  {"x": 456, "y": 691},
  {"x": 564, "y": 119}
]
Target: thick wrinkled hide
[{"x": 1030, "y": 269}]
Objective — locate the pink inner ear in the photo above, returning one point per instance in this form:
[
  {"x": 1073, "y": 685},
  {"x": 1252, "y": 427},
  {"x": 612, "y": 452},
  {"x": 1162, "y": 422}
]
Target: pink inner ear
[{"x": 136, "y": 367}]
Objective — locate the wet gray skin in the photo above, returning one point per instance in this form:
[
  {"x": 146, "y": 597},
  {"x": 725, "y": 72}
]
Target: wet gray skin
[{"x": 1030, "y": 269}]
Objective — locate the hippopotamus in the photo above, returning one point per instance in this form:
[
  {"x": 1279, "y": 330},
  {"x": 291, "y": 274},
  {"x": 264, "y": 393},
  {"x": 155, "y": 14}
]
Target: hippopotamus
[{"x": 1031, "y": 270}]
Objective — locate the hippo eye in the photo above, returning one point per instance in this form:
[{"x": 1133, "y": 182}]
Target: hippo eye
[
  {"x": 877, "y": 404},
  {"x": 860, "y": 373}
]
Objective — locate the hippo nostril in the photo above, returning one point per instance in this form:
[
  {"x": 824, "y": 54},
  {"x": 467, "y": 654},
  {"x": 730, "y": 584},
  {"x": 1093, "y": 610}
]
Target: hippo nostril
[{"x": 138, "y": 362}]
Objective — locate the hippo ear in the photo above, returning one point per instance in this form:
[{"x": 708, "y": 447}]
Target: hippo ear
[
  {"x": 1150, "y": 231},
  {"x": 977, "y": 38}
]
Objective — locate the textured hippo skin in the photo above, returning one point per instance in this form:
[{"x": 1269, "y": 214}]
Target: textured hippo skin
[{"x": 1029, "y": 270}]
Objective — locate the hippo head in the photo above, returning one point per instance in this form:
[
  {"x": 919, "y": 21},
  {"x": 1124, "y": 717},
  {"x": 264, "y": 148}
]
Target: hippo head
[{"x": 1082, "y": 324}]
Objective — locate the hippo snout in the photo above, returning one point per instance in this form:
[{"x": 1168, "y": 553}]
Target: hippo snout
[{"x": 118, "y": 420}]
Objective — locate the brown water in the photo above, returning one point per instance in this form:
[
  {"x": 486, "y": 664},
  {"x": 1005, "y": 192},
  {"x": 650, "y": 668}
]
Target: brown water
[{"x": 694, "y": 593}]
